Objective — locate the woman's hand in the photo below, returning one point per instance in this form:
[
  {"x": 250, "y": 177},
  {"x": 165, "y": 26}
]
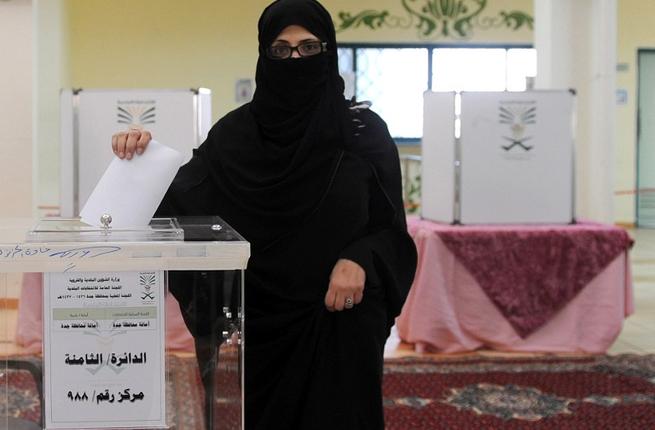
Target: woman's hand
[
  {"x": 346, "y": 286},
  {"x": 126, "y": 143}
]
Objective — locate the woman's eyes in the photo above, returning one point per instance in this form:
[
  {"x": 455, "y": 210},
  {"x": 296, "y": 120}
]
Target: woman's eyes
[
  {"x": 305, "y": 49},
  {"x": 279, "y": 49},
  {"x": 311, "y": 47}
]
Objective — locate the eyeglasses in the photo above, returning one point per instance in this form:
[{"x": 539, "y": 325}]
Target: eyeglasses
[{"x": 305, "y": 49}]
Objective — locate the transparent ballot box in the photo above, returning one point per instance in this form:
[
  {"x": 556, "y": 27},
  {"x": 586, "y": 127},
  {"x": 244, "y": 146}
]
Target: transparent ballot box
[{"x": 121, "y": 328}]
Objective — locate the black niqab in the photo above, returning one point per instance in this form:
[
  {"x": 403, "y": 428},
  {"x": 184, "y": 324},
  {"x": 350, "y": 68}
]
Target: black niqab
[
  {"x": 273, "y": 174},
  {"x": 290, "y": 92}
]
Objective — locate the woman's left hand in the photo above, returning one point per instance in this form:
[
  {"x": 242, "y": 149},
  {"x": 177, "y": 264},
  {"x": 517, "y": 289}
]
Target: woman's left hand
[{"x": 346, "y": 286}]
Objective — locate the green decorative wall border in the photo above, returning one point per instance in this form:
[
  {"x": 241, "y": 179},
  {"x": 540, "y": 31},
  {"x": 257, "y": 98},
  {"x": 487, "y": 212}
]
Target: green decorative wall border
[{"x": 433, "y": 19}]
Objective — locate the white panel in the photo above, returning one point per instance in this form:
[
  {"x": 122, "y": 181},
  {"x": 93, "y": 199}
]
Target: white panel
[
  {"x": 204, "y": 112},
  {"x": 171, "y": 115},
  {"x": 517, "y": 157},
  {"x": 438, "y": 157},
  {"x": 67, "y": 167}
]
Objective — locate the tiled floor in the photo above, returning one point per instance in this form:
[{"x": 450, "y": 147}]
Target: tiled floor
[{"x": 638, "y": 335}]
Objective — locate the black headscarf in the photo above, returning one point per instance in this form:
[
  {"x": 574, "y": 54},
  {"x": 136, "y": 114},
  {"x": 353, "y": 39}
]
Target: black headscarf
[{"x": 273, "y": 159}]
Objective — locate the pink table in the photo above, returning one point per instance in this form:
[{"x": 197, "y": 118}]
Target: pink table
[
  {"x": 448, "y": 311},
  {"x": 29, "y": 327}
]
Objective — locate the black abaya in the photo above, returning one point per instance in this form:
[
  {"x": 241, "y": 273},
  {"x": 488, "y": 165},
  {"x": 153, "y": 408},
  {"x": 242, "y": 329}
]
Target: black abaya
[
  {"x": 307, "y": 368},
  {"x": 307, "y": 180}
]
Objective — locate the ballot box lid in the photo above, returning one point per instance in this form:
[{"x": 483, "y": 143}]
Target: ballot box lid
[
  {"x": 207, "y": 228},
  {"x": 60, "y": 245},
  {"x": 74, "y": 230}
]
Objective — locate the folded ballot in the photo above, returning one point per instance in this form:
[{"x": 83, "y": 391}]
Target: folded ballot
[{"x": 131, "y": 190}]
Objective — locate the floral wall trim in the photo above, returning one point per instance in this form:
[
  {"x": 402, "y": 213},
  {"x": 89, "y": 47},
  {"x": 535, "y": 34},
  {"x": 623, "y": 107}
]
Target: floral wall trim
[{"x": 456, "y": 19}]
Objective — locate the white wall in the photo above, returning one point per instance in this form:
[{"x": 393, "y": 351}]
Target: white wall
[{"x": 16, "y": 108}]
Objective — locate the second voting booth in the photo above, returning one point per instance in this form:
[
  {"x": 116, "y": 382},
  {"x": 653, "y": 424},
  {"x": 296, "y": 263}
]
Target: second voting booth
[{"x": 498, "y": 157}]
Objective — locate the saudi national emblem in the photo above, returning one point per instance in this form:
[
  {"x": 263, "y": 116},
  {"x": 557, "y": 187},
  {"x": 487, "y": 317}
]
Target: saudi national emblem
[
  {"x": 147, "y": 281},
  {"x": 517, "y": 117}
]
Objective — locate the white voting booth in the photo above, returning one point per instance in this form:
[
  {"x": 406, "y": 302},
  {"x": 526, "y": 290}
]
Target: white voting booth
[
  {"x": 498, "y": 157},
  {"x": 179, "y": 119}
]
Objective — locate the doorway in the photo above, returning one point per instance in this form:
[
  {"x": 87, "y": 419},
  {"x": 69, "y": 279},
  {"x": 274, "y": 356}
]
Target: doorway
[{"x": 646, "y": 139}]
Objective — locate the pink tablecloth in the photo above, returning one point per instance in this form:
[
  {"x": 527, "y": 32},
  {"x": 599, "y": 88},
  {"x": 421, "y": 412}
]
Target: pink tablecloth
[
  {"x": 29, "y": 327},
  {"x": 447, "y": 310}
]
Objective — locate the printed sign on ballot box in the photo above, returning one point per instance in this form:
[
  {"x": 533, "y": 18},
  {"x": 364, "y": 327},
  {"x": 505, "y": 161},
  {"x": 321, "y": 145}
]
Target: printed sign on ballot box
[{"x": 104, "y": 350}]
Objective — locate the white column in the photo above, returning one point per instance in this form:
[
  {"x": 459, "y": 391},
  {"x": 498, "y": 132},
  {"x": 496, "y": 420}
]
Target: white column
[
  {"x": 576, "y": 48},
  {"x": 52, "y": 73},
  {"x": 16, "y": 108}
]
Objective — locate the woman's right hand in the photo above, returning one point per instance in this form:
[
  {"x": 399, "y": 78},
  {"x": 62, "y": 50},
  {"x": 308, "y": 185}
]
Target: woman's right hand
[{"x": 126, "y": 143}]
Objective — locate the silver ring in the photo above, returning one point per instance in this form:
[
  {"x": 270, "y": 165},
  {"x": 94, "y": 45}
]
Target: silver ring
[{"x": 349, "y": 303}]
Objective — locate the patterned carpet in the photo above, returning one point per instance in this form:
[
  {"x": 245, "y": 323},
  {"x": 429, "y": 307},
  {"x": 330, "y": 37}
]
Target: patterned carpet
[
  {"x": 605, "y": 392},
  {"x": 586, "y": 393}
]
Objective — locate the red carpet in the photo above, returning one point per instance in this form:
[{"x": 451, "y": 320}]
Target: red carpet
[{"x": 490, "y": 393}]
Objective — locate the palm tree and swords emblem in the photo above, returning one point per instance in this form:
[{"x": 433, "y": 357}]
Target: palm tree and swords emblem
[
  {"x": 147, "y": 281},
  {"x": 518, "y": 118}
]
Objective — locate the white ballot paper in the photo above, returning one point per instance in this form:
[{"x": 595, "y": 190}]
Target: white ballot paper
[{"x": 131, "y": 190}]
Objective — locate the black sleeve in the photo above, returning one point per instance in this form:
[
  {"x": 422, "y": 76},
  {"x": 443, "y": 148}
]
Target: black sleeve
[
  {"x": 190, "y": 192},
  {"x": 201, "y": 294},
  {"x": 387, "y": 253}
]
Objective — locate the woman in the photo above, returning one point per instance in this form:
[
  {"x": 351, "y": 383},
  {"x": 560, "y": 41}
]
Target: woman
[{"x": 313, "y": 183}]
